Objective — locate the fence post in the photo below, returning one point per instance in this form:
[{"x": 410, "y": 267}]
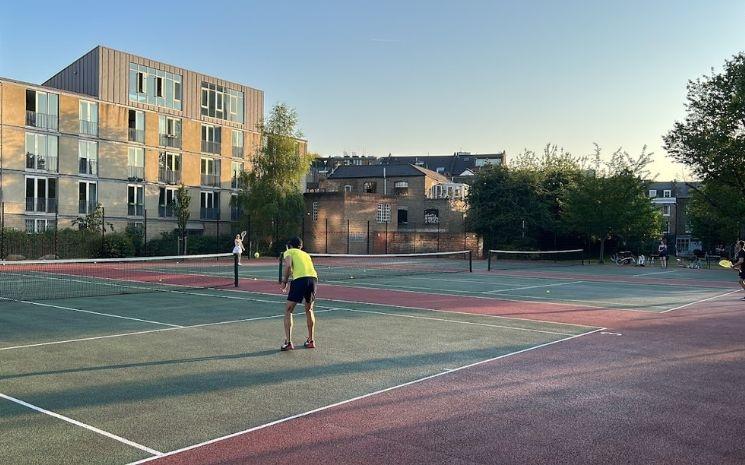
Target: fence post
[
  {"x": 2, "y": 230},
  {"x": 144, "y": 233},
  {"x": 326, "y": 233},
  {"x": 103, "y": 230},
  {"x": 56, "y": 228},
  {"x": 248, "y": 234},
  {"x": 438, "y": 235},
  {"x": 347, "y": 236},
  {"x": 302, "y": 227},
  {"x": 217, "y": 238},
  {"x": 464, "y": 232},
  {"x": 368, "y": 237},
  {"x": 386, "y": 237}
]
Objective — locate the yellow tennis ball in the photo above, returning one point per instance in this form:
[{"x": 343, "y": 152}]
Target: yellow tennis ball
[
  {"x": 547, "y": 291},
  {"x": 256, "y": 255}
]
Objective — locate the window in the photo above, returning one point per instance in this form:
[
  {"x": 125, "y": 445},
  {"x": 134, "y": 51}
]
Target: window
[
  {"x": 666, "y": 193},
  {"x": 683, "y": 245},
  {"x": 441, "y": 170},
  {"x": 384, "y": 213},
  {"x": 213, "y": 102},
  {"x": 652, "y": 193},
  {"x": 169, "y": 167},
  {"x": 431, "y": 216},
  {"x": 666, "y": 210},
  {"x": 401, "y": 188},
  {"x": 237, "y": 138},
  {"x": 209, "y": 205},
  {"x": 370, "y": 187},
  {"x": 39, "y": 225},
  {"x": 237, "y": 168},
  {"x": 666, "y": 228},
  {"x": 41, "y": 152},
  {"x": 211, "y": 137},
  {"x": 88, "y": 157},
  {"x": 135, "y": 200},
  {"x": 42, "y": 109},
  {"x": 41, "y": 194},
  {"x": 403, "y": 215},
  {"x": 136, "y": 126},
  {"x": 154, "y": 86},
  {"x": 169, "y": 131},
  {"x": 210, "y": 169},
  {"x": 88, "y": 116},
  {"x": 314, "y": 211},
  {"x": 87, "y": 197},
  {"x": 167, "y": 202},
  {"x": 136, "y": 162},
  {"x": 347, "y": 188}
]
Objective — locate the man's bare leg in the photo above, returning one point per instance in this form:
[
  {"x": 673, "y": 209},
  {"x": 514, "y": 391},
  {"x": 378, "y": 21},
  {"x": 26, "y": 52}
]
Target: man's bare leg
[
  {"x": 288, "y": 320},
  {"x": 310, "y": 318}
]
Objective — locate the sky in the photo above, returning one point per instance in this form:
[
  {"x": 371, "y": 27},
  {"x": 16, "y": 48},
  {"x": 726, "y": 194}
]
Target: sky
[{"x": 418, "y": 77}]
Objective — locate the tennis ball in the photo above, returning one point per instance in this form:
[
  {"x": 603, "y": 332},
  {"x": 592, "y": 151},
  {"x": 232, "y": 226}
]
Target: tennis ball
[
  {"x": 547, "y": 291},
  {"x": 256, "y": 255}
]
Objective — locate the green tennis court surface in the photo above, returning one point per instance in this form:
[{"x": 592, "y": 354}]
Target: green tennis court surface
[{"x": 150, "y": 373}]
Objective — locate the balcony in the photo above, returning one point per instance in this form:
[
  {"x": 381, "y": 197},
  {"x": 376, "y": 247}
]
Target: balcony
[
  {"x": 169, "y": 176},
  {"x": 238, "y": 152},
  {"x": 41, "y": 162},
  {"x": 136, "y": 135},
  {"x": 86, "y": 166},
  {"x": 136, "y": 173},
  {"x": 86, "y": 207},
  {"x": 206, "y": 213},
  {"x": 209, "y": 146},
  {"x": 41, "y": 120},
  {"x": 167, "y": 211},
  {"x": 41, "y": 205},
  {"x": 166, "y": 140},
  {"x": 235, "y": 213},
  {"x": 235, "y": 182},
  {"x": 212, "y": 180},
  {"x": 135, "y": 210},
  {"x": 88, "y": 128}
]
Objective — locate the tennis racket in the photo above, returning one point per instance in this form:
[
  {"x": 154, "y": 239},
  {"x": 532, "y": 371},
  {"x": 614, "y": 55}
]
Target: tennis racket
[
  {"x": 243, "y": 234},
  {"x": 725, "y": 263}
]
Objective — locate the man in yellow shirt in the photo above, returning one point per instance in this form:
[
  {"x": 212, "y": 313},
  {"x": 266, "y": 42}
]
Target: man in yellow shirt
[{"x": 299, "y": 265}]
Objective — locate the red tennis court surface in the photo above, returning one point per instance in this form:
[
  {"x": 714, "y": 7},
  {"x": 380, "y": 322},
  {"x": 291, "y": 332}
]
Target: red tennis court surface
[{"x": 652, "y": 388}]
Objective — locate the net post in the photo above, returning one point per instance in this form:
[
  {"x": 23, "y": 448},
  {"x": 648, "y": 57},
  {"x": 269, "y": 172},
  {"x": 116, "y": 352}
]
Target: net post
[
  {"x": 2, "y": 230},
  {"x": 470, "y": 261},
  {"x": 488, "y": 260},
  {"x": 235, "y": 269},
  {"x": 326, "y": 234},
  {"x": 368, "y": 237},
  {"x": 279, "y": 279},
  {"x": 347, "y": 235}
]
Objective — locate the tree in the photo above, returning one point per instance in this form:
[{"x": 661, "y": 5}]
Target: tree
[
  {"x": 711, "y": 139},
  {"x": 715, "y": 212},
  {"x": 183, "y": 201},
  {"x": 93, "y": 221},
  {"x": 271, "y": 194},
  {"x": 612, "y": 199}
]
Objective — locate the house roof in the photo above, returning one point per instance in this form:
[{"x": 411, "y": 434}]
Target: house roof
[
  {"x": 677, "y": 188},
  {"x": 453, "y": 165},
  {"x": 377, "y": 171}
]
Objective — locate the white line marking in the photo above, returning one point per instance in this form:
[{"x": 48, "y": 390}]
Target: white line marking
[
  {"x": 110, "y": 315},
  {"x": 699, "y": 301},
  {"x": 456, "y": 321},
  {"x": 83, "y": 425},
  {"x": 654, "y": 272},
  {"x": 364, "y": 396},
  {"x": 610, "y": 333},
  {"x": 533, "y": 287}
]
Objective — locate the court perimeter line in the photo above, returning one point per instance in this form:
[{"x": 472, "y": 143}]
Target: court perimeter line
[
  {"x": 455, "y": 321},
  {"x": 699, "y": 301},
  {"x": 532, "y": 287},
  {"x": 654, "y": 272},
  {"x": 111, "y": 315},
  {"x": 83, "y": 425},
  {"x": 364, "y": 396}
]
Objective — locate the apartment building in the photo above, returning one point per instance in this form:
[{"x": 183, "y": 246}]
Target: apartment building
[
  {"x": 671, "y": 198},
  {"x": 124, "y": 132}
]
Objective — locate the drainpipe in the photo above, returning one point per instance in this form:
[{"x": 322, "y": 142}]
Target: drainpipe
[{"x": 385, "y": 183}]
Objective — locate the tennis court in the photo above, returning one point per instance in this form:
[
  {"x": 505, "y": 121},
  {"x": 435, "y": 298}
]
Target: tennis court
[{"x": 149, "y": 366}]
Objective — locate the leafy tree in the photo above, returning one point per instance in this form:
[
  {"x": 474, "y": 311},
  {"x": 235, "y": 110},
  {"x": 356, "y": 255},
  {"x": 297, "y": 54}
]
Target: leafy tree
[
  {"x": 271, "y": 194},
  {"x": 93, "y": 221},
  {"x": 716, "y": 213},
  {"x": 183, "y": 201},
  {"x": 711, "y": 139}
]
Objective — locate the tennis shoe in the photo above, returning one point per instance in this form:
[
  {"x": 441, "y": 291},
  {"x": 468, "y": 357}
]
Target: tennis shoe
[
  {"x": 309, "y": 344},
  {"x": 287, "y": 346}
]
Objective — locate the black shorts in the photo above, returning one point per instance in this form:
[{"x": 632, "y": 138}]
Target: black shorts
[
  {"x": 302, "y": 288},
  {"x": 742, "y": 273}
]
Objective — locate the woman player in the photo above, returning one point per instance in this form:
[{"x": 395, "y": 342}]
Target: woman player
[
  {"x": 662, "y": 250},
  {"x": 738, "y": 263},
  {"x": 238, "y": 247}
]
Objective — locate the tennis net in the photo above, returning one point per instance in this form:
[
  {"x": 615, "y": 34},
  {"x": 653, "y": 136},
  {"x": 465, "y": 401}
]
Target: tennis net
[
  {"x": 515, "y": 259},
  {"x": 60, "y": 279},
  {"x": 339, "y": 267}
]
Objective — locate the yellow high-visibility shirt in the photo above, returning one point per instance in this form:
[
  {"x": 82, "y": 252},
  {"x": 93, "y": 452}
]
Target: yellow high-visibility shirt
[{"x": 302, "y": 264}]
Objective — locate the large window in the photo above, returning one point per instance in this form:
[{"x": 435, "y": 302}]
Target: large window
[
  {"x": 431, "y": 216},
  {"x": 88, "y": 116},
  {"x": 237, "y": 168},
  {"x": 88, "y": 157},
  {"x": 401, "y": 188},
  {"x": 169, "y": 131},
  {"x": 41, "y": 194},
  {"x": 211, "y": 138},
  {"x": 39, "y": 225},
  {"x": 169, "y": 167},
  {"x": 209, "y": 205},
  {"x": 136, "y": 126},
  {"x": 220, "y": 102},
  {"x": 210, "y": 169},
  {"x": 403, "y": 216},
  {"x": 42, "y": 109},
  {"x": 237, "y": 143},
  {"x": 87, "y": 197},
  {"x": 384, "y": 213},
  {"x": 167, "y": 202},
  {"x": 135, "y": 200},
  {"x": 666, "y": 210},
  {"x": 666, "y": 193},
  {"x": 154, "y": 86},
  {"x": 41, "y": 152},
  {"x": 370, "y": 187},
  {"x": 136, "y": 163},
  {"x": 314, "y": 209}
]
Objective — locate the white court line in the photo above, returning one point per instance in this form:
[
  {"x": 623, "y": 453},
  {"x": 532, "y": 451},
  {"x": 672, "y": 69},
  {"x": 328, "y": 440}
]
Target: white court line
[
  {"x": 364, "y": 396},
  {"x": 532, "y": 287},
  {"x": 110, "y": 315},
  {"x": 602, "y": 305},
  {"x": 83, "y": 425},
  {"x": 699, "y": 301},
  {"x": 417, "y": 317},
  {"x": 654, "y": 272}
]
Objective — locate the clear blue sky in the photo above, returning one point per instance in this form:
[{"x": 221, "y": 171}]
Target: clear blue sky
[{"x": 417, "y": 77}]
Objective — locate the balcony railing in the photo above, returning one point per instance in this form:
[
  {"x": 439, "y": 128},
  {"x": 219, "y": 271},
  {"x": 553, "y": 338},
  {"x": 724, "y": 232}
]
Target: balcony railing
[
  {"x": 88, "y": 128},
  {"x": 209, "y": 146},
  {"x": 41, "y": 162},
  {"x": 169, "y": 176},
  {"x": 136, "y": 173},
  {"x": 86, "y": 166},
  {"x": 87, "y": 206},
  {"x": 41, "y": 120},
  {"x": 166, "y": 211},
  {"x": 209, "y": 213},
  {"x": 238, "y": 152},
  {"x": 135, "y": 210},
  {"x": 235, "y": 182},
  {"x": 212, "y": 180},
  {"x": 41, "y": 205},
  {"x": 169, "y": 141},
  {"x": 235, "y": 213},
  {"x": 136, "y": 135}
]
